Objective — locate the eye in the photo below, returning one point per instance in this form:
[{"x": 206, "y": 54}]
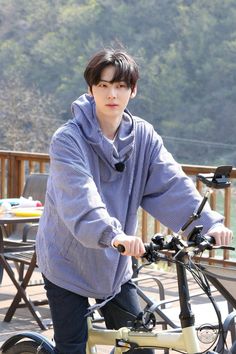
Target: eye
[
  {"x": 122, "y": 85},
  {"x": 102, "y": 84}
]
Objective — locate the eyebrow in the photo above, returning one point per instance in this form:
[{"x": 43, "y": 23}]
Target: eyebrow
[
  {"x": 109, "y": 82},
  {"x": 105, "y": 81}
]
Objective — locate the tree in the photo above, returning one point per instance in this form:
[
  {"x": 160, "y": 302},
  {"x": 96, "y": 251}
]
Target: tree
[{"x": 27, "y": 118}]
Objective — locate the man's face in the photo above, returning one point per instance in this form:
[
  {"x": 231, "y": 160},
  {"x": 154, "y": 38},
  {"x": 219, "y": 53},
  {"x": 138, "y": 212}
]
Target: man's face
[{"x": 111, "y": 98}]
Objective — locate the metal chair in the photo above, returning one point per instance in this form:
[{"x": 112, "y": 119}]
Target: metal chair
[
  {"x": 17, "y": 251},
  {"x": 224, "y": 280},
  {"x": 26, "y": 256},
  {"x": 35, "y": 187}
]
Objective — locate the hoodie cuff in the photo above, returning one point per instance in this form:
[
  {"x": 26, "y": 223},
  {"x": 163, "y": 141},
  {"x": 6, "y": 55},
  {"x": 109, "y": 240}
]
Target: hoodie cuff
[
  {"x": 215, "y": 225},
  {"x": 107, "y": 236}
]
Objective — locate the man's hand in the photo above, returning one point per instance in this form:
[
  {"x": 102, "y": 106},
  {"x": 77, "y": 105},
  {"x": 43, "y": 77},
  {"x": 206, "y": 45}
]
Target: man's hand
[
  {"x": 222, "y": 235},
  {"x": 133, "y": 245}
]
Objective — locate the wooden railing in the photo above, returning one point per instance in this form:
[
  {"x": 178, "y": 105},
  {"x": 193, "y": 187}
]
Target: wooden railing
[
  {"x": 149, "y": 226},
  {"x": 15, "y": 166}
]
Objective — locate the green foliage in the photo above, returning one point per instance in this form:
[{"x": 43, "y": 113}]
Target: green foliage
[
  {"x": 28, "y": 118},
  {"x": 186, "y": 52}
]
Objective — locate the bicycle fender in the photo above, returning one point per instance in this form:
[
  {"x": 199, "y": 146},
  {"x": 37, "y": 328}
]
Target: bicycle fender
[{"x": 36, "y": 337}]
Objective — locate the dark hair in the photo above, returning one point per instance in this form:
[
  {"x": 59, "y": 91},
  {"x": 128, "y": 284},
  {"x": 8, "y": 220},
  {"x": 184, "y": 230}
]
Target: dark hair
[{"x": 126, "y": 68}]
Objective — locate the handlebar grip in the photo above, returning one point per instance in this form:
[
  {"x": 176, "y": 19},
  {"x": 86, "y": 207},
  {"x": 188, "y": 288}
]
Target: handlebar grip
[
  {"x": 210, "y": 239},
  {"x": 121, "y": 248}
]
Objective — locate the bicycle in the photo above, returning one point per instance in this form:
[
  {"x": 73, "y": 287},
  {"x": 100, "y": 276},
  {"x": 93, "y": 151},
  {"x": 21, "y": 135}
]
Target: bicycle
[{"x": 141, "y": 334}]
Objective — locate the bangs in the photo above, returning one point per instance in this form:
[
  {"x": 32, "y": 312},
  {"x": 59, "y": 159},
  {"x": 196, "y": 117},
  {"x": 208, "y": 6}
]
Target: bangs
[{"x": 122, "y": 72}]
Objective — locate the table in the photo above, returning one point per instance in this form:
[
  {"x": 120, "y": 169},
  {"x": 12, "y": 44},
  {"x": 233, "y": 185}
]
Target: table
[
  {"x": 12, "y": 219},
  {"x": 24, "y": 253},
  {"x": 7, "y": 219}
]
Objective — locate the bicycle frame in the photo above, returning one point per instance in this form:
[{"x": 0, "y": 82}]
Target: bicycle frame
[
  {"x": 186, "y": 340},
  {"x": 183, "y": 339}
]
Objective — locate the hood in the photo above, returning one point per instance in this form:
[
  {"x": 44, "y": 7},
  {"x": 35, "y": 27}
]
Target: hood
[{"x": 84, "y": 116}]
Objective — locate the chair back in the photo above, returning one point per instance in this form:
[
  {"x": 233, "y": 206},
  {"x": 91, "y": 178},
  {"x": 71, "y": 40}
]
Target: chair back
[
  {"x": 35, "y": 186},
  {"x": 224, "y": 280}
]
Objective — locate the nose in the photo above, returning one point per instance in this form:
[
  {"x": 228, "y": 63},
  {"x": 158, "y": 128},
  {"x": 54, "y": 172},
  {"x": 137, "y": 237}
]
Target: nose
[{"x": 112, "y": 93}]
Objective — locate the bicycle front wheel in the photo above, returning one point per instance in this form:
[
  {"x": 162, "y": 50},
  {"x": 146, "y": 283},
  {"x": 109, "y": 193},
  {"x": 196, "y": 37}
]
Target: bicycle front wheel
[{"x": 26, "y": 347}]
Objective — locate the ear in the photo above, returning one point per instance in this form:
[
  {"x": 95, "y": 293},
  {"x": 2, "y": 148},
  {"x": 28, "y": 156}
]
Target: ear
[
  {"x": 90, "y": 92},
  {"x": 134, "y": 92}
]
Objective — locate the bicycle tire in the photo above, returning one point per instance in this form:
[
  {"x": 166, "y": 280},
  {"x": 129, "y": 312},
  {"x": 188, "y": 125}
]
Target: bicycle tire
[
  {"x": 233, "y": 349},
  {"x": 25, "y": 347}
]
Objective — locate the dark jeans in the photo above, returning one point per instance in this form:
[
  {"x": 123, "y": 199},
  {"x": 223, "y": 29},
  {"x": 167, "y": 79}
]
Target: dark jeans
[{"x": 68, "y": 312}]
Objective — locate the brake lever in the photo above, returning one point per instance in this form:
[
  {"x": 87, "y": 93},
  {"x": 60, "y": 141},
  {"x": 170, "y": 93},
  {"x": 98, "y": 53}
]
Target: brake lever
[
  {"x": 230, "y": 248},
  {"x": 200, "y": 249}
]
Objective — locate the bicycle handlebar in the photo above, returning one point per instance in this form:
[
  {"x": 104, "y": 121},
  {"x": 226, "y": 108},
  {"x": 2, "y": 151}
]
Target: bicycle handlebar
[
  {"x": 197, "y": 243},
  {"x": 195, "y": 240}
]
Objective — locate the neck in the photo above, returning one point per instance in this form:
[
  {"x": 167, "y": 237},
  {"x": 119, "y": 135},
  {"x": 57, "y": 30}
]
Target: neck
[
  {"x": 109, "y": 125},
  {"x": 109, "y": 131}
]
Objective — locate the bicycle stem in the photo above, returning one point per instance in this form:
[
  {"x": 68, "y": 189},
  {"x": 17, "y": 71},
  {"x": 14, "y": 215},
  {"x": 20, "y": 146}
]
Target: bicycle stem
[{"x": 186, "y": 315}]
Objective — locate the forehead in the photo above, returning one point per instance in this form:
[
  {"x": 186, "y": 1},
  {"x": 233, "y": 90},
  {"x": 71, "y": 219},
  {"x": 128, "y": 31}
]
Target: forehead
[{"x": 108, "y": 73}]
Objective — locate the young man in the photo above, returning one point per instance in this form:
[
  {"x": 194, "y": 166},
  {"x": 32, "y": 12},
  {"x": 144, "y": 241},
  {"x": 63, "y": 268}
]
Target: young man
[{"x": 105, "y": 164}]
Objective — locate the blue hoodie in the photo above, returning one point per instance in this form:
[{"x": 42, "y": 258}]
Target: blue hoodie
[{"x": 88, "y": 202}]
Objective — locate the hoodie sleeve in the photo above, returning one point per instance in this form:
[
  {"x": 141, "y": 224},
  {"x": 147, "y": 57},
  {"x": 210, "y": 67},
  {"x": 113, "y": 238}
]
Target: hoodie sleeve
[
  {"x": 170, "y": 196},
  {"x": 76, "y": 197}
]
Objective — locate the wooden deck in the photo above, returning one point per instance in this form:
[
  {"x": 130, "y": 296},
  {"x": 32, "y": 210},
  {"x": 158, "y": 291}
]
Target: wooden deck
[{"x": 23, "y": 320}]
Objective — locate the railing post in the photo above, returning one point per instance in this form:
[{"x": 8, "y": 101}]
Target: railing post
[
  {"x": 227, "y": 210},
  {"x": 227, "y": 206},
  {"x": 157, "y": 227},
  {"x": 3, "y": 178},
  {"x": 144, "y": 226},
  {"x": 21, "y": 176},
  {"x": 11, "y": 176}
]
